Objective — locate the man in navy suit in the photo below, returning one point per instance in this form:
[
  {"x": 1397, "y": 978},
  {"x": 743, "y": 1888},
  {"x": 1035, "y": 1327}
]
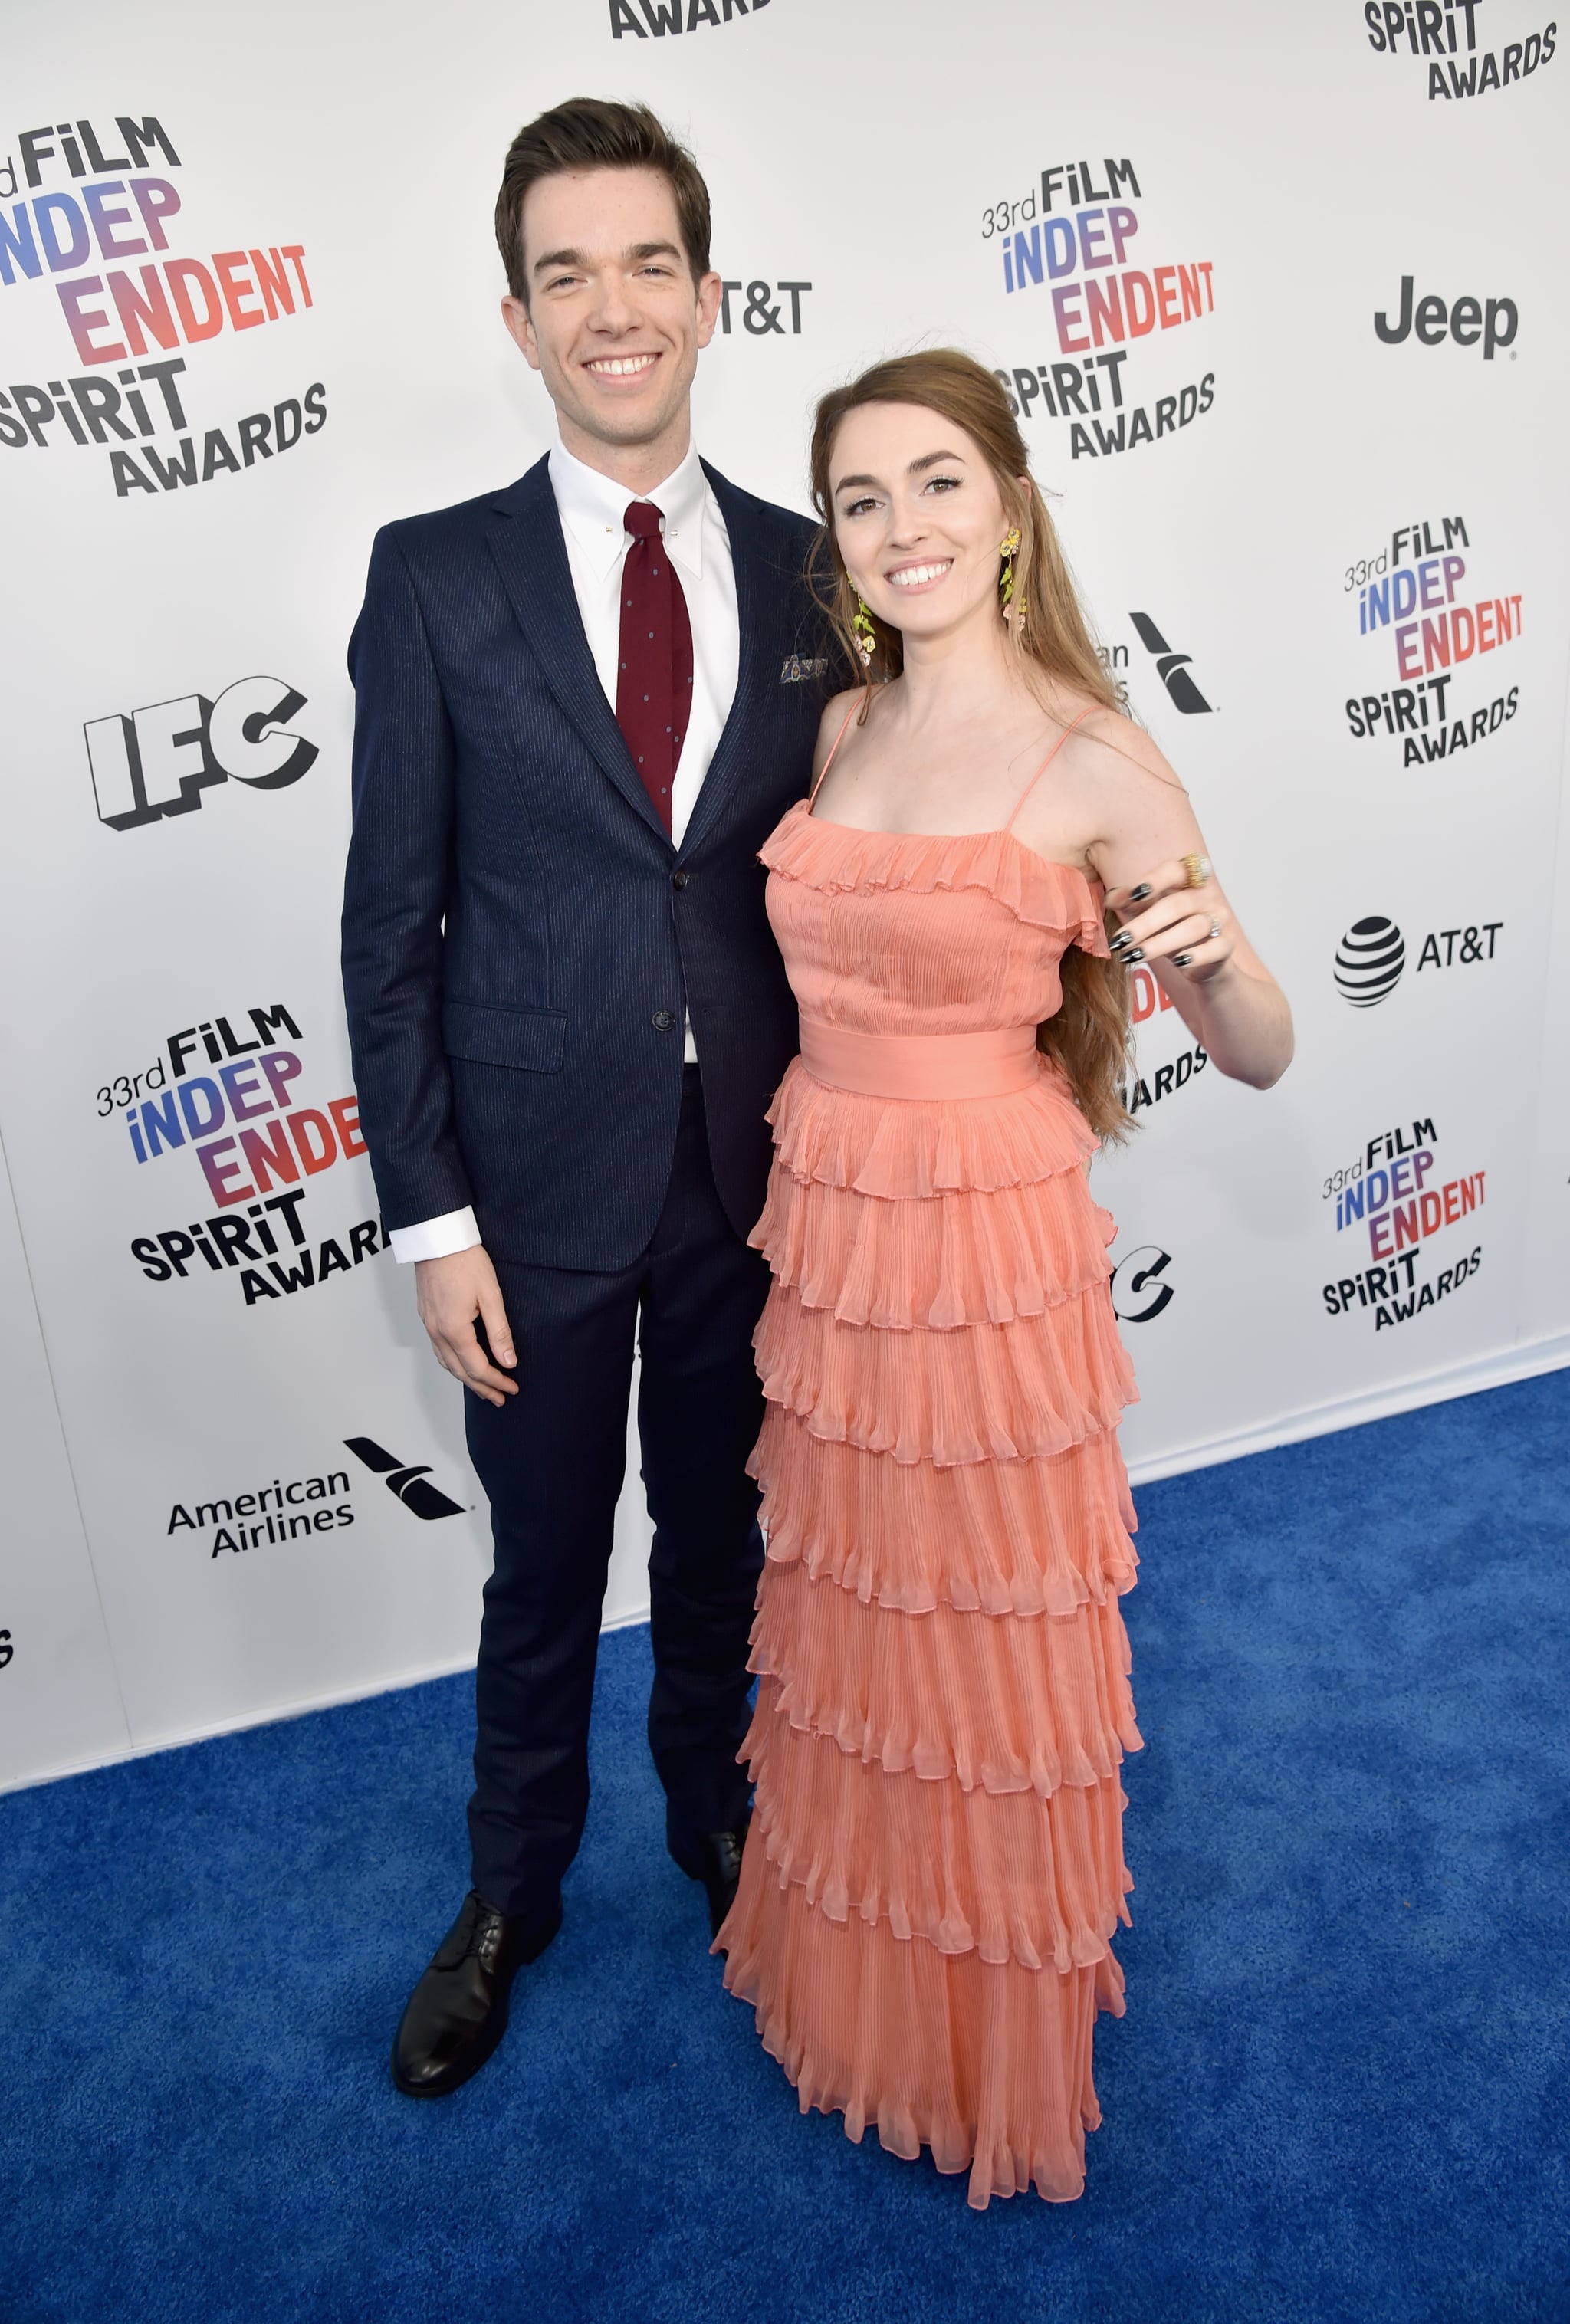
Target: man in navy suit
[{"x": 582, "y": 704}]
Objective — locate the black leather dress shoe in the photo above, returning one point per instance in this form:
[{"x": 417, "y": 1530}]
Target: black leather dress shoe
[
  {"x": 458, "y": 2012},
  {"x": 715, "y": 1858}
]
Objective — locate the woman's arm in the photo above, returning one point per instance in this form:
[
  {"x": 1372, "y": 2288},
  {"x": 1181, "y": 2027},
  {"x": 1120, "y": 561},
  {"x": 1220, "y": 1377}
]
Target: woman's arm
[
  {"x": 1183, "y": 929},
  {"x": 1188, "y": 934}
]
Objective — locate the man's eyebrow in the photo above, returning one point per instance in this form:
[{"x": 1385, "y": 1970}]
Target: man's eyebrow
[{"x": 578, "y": 259}]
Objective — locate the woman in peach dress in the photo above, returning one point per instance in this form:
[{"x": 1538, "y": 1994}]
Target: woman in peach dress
[{"x": 935, "y": 1867}]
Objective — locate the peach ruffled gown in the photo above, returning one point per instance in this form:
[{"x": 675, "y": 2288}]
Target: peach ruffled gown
[{"x": 935, "y": 1867}]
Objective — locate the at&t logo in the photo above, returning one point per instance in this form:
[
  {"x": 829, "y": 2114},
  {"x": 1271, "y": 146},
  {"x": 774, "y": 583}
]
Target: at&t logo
[
  {"x": 1371, "y": 955},
  {"x": 759, "y": 316},
  {"x": 1369, "y": 961}
]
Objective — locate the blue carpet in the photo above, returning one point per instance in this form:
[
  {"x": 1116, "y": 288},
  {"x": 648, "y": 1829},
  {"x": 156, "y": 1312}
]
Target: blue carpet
[{"x": 1339, "y": 2092}]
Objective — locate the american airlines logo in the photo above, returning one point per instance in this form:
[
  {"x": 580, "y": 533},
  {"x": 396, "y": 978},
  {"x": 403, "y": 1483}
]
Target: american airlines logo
[
  {"x": 406, "y": 1482},
  {"x": 1171, "y": 669}
]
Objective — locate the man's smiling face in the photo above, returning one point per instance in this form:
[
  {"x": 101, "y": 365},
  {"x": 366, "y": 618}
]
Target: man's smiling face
[{"x": 614, "y": 320}]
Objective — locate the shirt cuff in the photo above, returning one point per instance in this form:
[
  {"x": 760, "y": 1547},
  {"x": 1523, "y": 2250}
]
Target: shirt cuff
[{"x": 454, "y": 1230}]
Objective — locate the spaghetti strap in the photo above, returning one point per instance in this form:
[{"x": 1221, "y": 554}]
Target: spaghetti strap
[
  {"x": 832, "y": 747},
  {"x": 1045, "y": 763}
]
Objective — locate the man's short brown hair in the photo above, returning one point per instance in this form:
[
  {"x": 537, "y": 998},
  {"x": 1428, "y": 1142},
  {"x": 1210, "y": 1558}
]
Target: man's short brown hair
[{"x": 588, "y": 133}]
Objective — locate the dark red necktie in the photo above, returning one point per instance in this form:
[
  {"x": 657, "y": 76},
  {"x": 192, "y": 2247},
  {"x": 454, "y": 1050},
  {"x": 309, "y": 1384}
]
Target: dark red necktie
[{"x": 654, "y": 666}]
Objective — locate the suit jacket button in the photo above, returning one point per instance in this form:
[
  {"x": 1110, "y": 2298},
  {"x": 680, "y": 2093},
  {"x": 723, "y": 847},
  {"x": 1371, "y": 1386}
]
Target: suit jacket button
[
  {"x": 662, "y": 1020},
  {"x": 679, "y": 879}
]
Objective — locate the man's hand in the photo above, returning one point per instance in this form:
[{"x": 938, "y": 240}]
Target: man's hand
[{"x": 450, "y": 1293}]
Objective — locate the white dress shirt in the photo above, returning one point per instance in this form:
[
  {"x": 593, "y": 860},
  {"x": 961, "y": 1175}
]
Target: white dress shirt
[{"x": 591, "y": 508}]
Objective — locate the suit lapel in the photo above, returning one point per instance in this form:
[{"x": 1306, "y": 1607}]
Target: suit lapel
[
  {"x": 760, "y": 592},
  {"x": 525, "y": 538}
]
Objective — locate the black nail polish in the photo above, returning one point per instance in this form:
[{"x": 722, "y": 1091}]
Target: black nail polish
[
  {"x": 1130, "y": 957},
  {"x": 1138, "y": 895},
  {"x": 1122, "y": 941},
  {"x": 1181, "y": 959}
]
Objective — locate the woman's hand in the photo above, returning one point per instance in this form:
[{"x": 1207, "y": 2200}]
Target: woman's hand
[
  {"x": 1177, "y": 921},
  {"x": 1177, "y": 915}
]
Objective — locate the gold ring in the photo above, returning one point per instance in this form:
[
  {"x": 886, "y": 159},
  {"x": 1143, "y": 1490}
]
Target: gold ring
[{"x": 1197, "y": 868}]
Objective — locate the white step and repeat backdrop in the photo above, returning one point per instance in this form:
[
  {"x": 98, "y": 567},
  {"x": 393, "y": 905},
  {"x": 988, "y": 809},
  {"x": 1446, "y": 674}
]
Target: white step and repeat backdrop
[{"x": 1278, "y": 292}]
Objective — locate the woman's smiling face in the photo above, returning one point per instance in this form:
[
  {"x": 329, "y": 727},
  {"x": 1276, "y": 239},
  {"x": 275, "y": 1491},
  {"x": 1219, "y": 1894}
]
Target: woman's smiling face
[{"x": 918, "y": 516}]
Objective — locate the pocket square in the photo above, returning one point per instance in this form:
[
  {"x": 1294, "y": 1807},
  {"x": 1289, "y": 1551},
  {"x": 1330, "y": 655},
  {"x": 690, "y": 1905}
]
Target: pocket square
[{"x": 797, "y": 668}]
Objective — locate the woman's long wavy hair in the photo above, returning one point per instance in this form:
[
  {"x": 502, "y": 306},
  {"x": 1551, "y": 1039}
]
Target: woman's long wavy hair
[{"x": 1089, "y": 1036}]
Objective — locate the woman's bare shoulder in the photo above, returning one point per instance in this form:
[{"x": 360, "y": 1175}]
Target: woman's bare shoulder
[
  {"x": 1106, "y": 746},
  {"x": 838, "y": 708},
  {"x": 838, "y": 712}
]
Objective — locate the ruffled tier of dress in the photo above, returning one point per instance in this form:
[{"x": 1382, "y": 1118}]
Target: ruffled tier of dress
[
  {"x": 1042, "y": 1537},
  {"x": 1000, "y": 1705},
  {"x": 994, "y": 1392},
  {"x": 951, "y": 1260},
  {"x": 841, "y": 860},
  {"x": 1007, "y": 1875},
  {"x": 988, "y": 2064}
]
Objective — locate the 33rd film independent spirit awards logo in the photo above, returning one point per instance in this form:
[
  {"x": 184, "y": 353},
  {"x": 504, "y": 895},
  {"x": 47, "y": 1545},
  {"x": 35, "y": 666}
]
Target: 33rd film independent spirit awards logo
[
  {"x": 223, "y": 1094},
  {"x": 88, "y": 220},
  {"x": 1068, "y": 248},
  {"x": 305, "y": 1507},
  {"x": 1443, "y": 34},
  {"x": 1400, "y": 1191},
  {"x": 1426, "y": 625}
]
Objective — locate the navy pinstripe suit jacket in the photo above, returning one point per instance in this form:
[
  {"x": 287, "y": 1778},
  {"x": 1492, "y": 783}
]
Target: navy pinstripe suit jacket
[{"x": 520, "y": 935}]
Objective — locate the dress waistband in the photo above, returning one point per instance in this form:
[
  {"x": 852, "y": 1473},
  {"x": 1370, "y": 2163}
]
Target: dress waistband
[{"x": 994, "y": 1064}]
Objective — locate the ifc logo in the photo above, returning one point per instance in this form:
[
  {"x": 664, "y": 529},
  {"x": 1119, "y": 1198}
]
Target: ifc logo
[{"x": 1369, "y": 961}]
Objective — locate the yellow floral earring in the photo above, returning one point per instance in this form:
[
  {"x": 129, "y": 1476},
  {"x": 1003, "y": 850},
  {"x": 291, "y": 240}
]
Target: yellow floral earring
[
  {"x": 866, "y": 635},
  {"x": 1007, "y": 549}
]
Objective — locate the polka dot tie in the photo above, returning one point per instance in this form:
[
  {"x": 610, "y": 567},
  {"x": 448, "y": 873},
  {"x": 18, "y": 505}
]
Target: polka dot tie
[{"x": 654, "y": 664}]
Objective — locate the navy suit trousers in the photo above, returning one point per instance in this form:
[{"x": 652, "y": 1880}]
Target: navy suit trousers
[{"x": 552, "y": 1462}]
